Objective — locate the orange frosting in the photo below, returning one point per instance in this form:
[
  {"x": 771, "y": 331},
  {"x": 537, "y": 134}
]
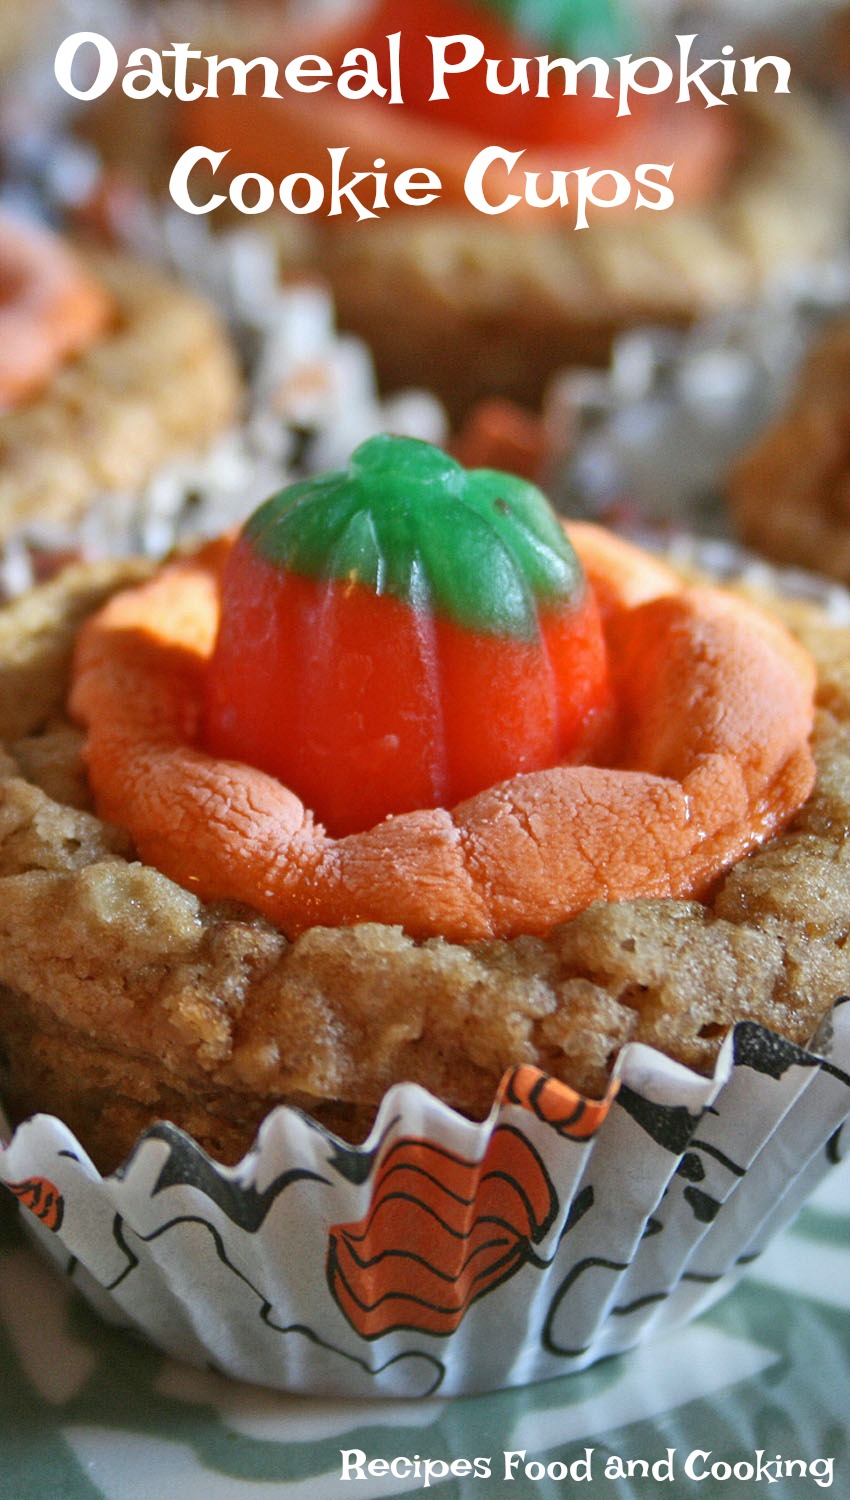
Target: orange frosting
[
  {"x": 716, "y": 706},
  {"x": 50, "y": 308}
]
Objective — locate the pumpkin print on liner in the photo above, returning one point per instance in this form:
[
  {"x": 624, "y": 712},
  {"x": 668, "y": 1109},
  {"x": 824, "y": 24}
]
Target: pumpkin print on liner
[
  {"x": 42, "y": 1198},
  {"x": 441, "y": 1230}
]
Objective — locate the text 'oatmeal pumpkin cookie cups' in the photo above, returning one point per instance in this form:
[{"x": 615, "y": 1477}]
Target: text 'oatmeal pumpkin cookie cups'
[
  {"x": 108, "y": 371},
  {"x": 485, "y": 303},
  {"x": 547, "y": 1051}
]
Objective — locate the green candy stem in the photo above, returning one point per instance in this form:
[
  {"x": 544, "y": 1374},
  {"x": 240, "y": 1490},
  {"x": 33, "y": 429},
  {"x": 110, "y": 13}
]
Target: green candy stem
[
  {"x": 481, "y": 548},
  {"x": 576, "y": 27}
]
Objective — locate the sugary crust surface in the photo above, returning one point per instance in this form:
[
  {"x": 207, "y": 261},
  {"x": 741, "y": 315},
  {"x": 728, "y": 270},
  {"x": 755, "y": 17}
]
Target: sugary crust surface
[
  {"x": 124, "y": 999},
  {"x": 161, "y": 381}
]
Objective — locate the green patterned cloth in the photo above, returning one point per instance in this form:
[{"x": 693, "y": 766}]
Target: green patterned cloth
[{"x": 89, "y": 1413}]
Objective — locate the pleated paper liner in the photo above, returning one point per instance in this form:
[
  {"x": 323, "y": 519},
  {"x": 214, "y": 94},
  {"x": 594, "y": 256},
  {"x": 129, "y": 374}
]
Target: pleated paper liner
[{"x": 442, "y": 1254}]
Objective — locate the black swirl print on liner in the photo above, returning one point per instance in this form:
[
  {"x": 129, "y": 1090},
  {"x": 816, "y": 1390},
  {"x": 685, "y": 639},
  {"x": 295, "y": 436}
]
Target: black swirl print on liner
[{"x": 445, "y": 1254}]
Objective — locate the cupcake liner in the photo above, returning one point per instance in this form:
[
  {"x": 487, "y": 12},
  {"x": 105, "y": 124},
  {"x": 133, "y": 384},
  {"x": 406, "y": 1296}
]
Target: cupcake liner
[
  {"x": 443, "y": 1254},
  {"x": 616, "y": 436}
]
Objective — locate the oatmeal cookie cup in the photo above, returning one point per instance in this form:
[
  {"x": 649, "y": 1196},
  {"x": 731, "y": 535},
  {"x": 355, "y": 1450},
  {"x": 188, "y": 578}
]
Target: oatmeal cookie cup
[
  {"x": 531, "y": 303},
  {"x": 148, "y": 378},
  {"x": 529, "y": 1226},
  {"x": 788, "y": 492}
]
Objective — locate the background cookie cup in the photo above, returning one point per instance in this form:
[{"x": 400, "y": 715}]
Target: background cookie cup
[
  {"x": 495, "y": 305},
  {"x": 522, "y": 305},
  {"x": 788, "y": 490},
  {"x": 446, "y": 1252},
  {"x": 159, "y": 380}
]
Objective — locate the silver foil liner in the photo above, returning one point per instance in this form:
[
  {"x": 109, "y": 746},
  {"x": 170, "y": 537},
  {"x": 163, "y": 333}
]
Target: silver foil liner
[{"x": 442, "y": 1254}]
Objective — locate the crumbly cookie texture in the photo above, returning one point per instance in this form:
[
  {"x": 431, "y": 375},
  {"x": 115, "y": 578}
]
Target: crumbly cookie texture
[
  {"x": 124, "y": 999},
  {"x": 790, "y": 492},
  {"x": 162, "y": 381}
]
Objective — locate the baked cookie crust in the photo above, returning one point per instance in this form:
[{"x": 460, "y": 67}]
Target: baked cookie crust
[
  {"x": 162, "y": 381},
  {"x": 123, "y": 999}
]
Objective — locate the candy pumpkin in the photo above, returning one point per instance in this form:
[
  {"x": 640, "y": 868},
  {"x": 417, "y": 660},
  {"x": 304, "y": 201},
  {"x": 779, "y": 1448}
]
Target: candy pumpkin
[
  {"x": 505, "y": 29},
  {"x": 403, "y": 634},
  {"x": 441, "y": 1232}
]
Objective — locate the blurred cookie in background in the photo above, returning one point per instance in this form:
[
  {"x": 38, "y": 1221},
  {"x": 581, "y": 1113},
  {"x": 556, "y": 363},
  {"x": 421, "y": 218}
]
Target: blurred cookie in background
[
  {"x": 175, "y": 421},
  {"x": 107, "y": 371},
  {"x": 790, "y": 492},
  {"x": 22, "y": 24},
  {"x": 471, "y": 304}
]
